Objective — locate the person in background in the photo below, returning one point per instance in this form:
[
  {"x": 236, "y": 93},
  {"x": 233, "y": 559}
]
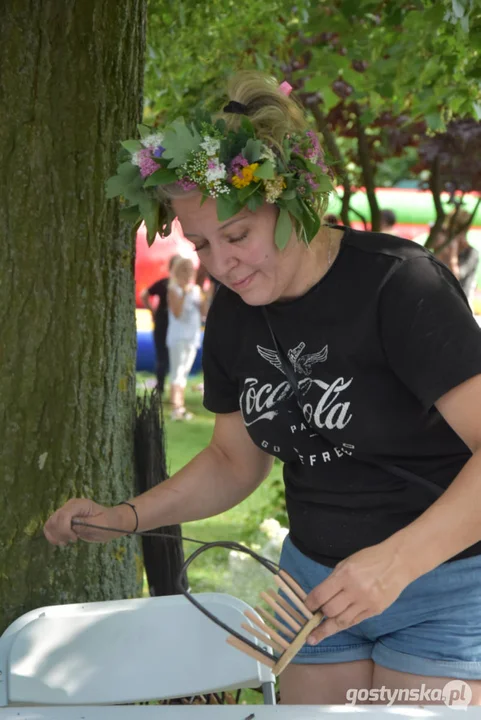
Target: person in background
[
  {"x": 467, "y": 257},
  {"x": 186, "y": 305},
  {"x": 161, "y": 321},
  {"x": 388, "y": 221}
]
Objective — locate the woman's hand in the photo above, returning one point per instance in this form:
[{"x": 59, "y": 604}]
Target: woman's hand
[
  {"x": 359, "y": 587},
  {"x": 60, "y": 530}
]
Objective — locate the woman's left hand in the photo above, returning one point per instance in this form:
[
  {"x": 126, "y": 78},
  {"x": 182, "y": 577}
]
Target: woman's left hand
[{"x": 359, "y": 587}]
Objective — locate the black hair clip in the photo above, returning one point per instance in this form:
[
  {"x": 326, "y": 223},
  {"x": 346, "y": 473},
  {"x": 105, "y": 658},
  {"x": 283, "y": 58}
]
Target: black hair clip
[{"x": 236, "y": 108}]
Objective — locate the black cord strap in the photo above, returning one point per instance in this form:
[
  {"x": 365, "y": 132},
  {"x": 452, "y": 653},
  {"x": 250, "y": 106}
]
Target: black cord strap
[
  {"x": 270, "y": 565},
  {"x": 124, "y": 502}
]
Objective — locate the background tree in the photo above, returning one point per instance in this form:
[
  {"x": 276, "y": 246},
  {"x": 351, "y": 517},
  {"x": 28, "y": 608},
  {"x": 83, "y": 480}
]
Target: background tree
[
  {"x": 374, "y": 74},
  {"x": 71, "y": 79}
]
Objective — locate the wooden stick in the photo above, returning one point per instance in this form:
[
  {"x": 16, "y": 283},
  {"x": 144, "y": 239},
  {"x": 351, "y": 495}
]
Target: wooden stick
[
  {"x": 274, "y": 621},
  {"x": 297, "y": 643},
  {"x": 287, "y": 607},
  {"x": 295, "y": 586},
  {"x": 292, "y": 596},
  {"x": 280, "y": 611},
  {"x": 235, "y": 642},
  {"x": 263, "y": 638},
  {"x": 265, "y": 628}
]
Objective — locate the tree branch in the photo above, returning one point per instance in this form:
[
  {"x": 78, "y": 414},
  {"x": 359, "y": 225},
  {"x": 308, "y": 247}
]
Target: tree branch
[
  {"x": 335, "y": 152},
  {"x": 368, "y": 173}
]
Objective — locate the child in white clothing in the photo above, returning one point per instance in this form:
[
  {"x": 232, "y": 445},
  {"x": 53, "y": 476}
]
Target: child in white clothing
[{"x": 186, "y": 307}]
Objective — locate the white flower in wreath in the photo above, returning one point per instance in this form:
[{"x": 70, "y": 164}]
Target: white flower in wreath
[
  {"x": 210, "y": 145},
  {"x": 152, "y": 141},
  {"x": 215, "y": 171}
]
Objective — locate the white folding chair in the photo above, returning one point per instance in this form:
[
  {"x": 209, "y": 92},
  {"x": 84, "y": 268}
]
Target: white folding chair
[{"x": 125, "y": 651}]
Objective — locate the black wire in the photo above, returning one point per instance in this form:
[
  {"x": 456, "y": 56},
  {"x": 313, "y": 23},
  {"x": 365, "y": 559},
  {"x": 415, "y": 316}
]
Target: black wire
[{"x": 270, "y": 565}]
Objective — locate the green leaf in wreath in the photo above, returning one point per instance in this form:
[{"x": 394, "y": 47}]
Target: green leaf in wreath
[
  {"x": 252, "y": 150},
  {"x": 128, "y": 171},
  {"x": 115, "y": 186},
  {"x": 283, "y": 229},
  {"x": 248, "y": 126},
  {"x": 255, "y": 202},
  {"x": 161, "y": 177},
  {"x": 266, "y": 171},
  {"x": 130, "y": 214},
  {"x": 149, "y": 209},
  {"x": 246, "y": 192},
  {"x": 227, "y": 207},
  {"x": 179, "y": 142},
  {"x": 144, "y": 131},
  {"x": 132, "y": 145}
]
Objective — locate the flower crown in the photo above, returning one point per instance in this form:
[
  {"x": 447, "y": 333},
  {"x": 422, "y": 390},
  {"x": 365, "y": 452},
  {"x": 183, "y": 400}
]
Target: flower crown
[{"x": 234, "y": 167}]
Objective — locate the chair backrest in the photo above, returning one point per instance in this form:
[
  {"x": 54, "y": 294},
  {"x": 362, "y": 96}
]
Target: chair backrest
[{"x": 125, "y": 651}]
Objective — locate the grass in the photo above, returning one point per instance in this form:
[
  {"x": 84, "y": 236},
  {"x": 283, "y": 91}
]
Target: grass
[{"x": 241, "y": 524}]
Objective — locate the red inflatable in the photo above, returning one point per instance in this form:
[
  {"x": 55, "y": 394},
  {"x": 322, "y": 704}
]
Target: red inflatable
[{"x": 152, "y": 263}]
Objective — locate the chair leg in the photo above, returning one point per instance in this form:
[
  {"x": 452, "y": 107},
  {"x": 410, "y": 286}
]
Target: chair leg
[{"x": 269, "y": 693}]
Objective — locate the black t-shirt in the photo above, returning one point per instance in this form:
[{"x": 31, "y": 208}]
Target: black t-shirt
[
  {"x": 161, "y": 315},
  {"x": 382, "y": 336}
]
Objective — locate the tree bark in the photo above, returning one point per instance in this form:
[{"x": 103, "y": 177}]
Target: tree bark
[{"x": 71, "y": 80}]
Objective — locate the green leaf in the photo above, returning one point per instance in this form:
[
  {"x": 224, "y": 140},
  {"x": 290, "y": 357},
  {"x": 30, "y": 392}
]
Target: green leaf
[
  {"x": 133, "y": 192},
  {"x": 434, "y": 121},
  {"x": 179, "y": 142},
  {"x": 252, "y": 150},
  {"x": 130, "y": 214},
  {"x": 227, "y": 206},
  {"x": 283, "y": 229},
  {"x": 246, "y": 192},
  {"x": 161, "y": 177},
  {"x": 144, "y": 131},
  {"x": 247, "y": 126},
  {"x": 255, "y": 202},
  {"x": 115, "y": 186},
  {"x": 310, "y": 221},
  {"x": 149, "y": 209},
  {"x": 220, "y": 124},
  {"x": 266, "y": 171},
  {"x": 128, "y": 171},
  {"x": 132, "y": 145},
  {"x": 289, "y": 194}
]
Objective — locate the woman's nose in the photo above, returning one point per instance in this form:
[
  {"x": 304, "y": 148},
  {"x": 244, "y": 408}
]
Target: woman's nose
[{"x": 222, "y": 258}]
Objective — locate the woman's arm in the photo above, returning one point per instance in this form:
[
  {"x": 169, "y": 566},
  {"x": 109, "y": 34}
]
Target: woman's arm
[
  {"x": 453, "y": 522},
  {"x": 145, "y": 297},
  {"x": 369, "y": 581},
  {"x": 219, "y": 477}
]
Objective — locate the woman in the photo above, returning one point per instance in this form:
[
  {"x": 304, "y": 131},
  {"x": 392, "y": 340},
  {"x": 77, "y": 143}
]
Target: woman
[
  {"x": 185, "y": 303},
  {"x": 387, "y": 363}
]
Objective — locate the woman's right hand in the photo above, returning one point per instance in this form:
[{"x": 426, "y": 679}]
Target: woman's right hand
[{"x": 59, "y": 529}]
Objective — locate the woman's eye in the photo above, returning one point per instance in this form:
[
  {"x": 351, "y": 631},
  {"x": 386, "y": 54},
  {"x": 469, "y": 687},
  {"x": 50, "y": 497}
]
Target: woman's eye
[
  {"x": 201, "y": 246},
  {"x": 238, "y": 239}
]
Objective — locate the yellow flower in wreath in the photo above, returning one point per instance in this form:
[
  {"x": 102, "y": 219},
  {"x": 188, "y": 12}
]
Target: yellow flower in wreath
[{"x": 246, "y": 176}]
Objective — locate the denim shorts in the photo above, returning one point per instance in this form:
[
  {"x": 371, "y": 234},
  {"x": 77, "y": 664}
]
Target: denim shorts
[{"x": 432, "y": 629}]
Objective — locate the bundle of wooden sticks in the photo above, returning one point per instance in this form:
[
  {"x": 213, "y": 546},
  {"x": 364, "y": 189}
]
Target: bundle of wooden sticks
[{"x": 296, "y": 626}]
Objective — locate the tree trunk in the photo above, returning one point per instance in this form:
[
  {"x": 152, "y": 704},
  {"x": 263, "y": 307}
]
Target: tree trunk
[
  {"x": 71, "y": 80},
  {"x": 368, "y": 175}
]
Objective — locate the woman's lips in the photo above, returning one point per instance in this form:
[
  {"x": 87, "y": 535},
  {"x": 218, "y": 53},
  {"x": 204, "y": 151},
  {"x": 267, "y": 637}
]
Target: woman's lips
[{"x": 241, "y": 284}]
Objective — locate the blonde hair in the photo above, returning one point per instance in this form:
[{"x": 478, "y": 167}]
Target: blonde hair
[
  {"x": 181, "y": 263},
  {"x": 272, "y": 114}
]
